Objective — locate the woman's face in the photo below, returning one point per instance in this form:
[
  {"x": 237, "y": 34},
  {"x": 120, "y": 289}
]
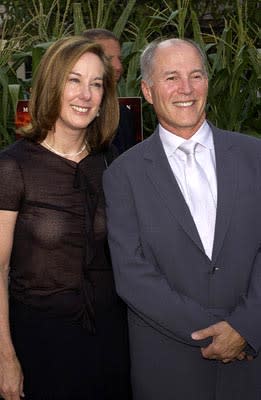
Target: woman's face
[{"x": 82, "y": 94}]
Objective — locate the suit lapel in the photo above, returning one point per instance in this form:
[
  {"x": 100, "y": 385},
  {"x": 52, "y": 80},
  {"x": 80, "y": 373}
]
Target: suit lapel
[
  {"x": 226, "y": 186},
  {"x": 160, "y": 174}
]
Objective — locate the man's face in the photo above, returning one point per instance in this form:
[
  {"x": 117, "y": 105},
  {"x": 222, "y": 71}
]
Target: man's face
[
  {"x": 178, "y": 88},
  {"x": 112, "y": 50}
]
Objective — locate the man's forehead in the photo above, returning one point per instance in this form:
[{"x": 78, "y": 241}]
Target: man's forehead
[
  {"x": 172, "y": 57},
  {"x": 172, "y": 47},
  {"x": 108, "y": 42}
]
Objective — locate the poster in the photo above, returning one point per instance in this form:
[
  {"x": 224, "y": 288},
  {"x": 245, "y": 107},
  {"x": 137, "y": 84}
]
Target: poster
[{"x": 134, "y": 104}]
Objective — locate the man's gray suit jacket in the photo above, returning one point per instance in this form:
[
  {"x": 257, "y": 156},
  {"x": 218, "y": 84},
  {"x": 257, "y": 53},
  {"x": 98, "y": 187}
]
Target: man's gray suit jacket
[{"x": 170, "y": 286}]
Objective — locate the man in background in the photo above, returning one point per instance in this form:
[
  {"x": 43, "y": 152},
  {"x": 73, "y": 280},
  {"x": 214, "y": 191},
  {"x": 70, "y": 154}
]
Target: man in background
[{"x": 125, "y": 135}]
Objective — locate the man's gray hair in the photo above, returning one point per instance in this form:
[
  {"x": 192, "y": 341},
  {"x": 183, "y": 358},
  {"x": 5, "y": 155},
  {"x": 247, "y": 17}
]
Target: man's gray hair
[{"x": 148, "y": 54}]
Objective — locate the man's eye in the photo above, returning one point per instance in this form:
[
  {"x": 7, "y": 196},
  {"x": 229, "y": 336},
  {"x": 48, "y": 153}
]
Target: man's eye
[
  {"x": 198, "y": 76},
  {"x": 172, "y": 78}
]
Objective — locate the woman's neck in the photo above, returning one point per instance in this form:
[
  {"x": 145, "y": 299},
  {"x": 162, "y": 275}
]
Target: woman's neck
[{"x": 71, "y": 148}]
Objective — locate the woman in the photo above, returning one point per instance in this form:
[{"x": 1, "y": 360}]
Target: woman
[{"x": 63, "y": 331}]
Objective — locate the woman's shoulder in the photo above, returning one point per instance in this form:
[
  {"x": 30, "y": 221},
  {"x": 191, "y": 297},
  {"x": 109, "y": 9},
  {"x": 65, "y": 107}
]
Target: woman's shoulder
[
  {"x": 21, "y": 151},
  {"x": 15, "y": 149},
  {"x": 11, "y": 176}
]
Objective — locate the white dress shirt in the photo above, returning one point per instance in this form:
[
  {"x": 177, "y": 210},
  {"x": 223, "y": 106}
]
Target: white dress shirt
[{"x": 205, "y": 156}]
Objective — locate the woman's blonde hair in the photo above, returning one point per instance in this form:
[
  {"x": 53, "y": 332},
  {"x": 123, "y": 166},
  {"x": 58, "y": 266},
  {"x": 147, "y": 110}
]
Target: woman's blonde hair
[{"x": 49, "y": 83}]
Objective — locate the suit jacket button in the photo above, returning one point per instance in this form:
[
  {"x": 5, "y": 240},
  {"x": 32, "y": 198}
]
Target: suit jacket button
[{"x": 214, "y": 270}]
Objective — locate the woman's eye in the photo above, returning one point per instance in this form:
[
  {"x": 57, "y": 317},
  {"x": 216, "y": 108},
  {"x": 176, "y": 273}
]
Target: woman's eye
[
  {"x": 96, "y": 85},
  {"x": 74, "y": 80}
]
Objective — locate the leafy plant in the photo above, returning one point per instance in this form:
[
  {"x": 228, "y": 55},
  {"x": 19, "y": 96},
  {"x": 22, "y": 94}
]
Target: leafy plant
[
  {"x": 234, "y": 76},
  {"x": 46, "y": 22},
  {"x": 10, "y": 84}
]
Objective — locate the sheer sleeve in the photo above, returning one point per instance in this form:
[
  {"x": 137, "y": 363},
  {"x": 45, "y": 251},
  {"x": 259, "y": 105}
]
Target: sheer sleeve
[{"x": 11, "y": 184}]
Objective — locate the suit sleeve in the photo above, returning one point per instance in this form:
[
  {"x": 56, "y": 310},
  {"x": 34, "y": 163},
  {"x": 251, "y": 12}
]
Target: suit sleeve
[
  {"x": 138, "y": 280},
  {"x": 246, "y": 318}
]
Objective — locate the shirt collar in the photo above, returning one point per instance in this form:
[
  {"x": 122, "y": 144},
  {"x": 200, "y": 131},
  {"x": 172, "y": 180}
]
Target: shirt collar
[{"x": 171, "y": 141}]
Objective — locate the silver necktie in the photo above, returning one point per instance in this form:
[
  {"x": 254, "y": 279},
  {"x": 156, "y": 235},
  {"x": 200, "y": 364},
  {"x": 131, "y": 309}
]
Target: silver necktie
[{"x": 200, "y": 198}]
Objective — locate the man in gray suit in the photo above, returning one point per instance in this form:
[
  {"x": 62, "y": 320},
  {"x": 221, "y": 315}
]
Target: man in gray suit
[{"x": 184, "y": 222}]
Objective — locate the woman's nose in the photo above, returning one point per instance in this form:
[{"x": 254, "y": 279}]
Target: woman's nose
[{"x": 86, "y": 91}]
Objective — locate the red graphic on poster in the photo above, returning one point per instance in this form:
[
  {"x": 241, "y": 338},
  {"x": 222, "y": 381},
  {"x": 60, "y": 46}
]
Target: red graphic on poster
[{"x": 22, "y": 118}]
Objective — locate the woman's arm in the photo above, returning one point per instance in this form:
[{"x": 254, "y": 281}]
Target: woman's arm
[{"x": 11, "y": 376}]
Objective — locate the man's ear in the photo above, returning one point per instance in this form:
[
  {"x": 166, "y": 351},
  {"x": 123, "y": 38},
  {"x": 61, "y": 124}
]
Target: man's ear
[{"x": 146, "y": 90}]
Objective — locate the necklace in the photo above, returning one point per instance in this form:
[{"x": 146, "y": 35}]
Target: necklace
[{"x": 65, "y": 154}]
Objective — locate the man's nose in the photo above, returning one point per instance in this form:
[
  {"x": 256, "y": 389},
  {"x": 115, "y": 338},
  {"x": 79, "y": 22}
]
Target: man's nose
[
  {"x": 185, "y": 85},
  {"x": 117, "y": 65}
]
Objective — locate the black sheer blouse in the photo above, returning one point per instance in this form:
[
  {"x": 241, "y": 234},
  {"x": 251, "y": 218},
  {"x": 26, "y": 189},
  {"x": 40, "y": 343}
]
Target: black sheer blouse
[{"x": 60, "y": 260}]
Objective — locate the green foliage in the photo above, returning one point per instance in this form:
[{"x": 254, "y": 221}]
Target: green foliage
[
  {"x": 123, "y": 19},
  {"x": 9, "y": 94},
  {"x": 227, "y": 31},
  {"x": 97, "y": 13},
  {"x": 234, "y": 77},
  {"x": 26, "y": 34},
  {"x": 79, "y": 25},
  {"x": 40, "y": 20}
]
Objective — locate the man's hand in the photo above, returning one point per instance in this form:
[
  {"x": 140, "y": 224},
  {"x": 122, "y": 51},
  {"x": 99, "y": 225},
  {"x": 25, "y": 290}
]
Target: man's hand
[{"x": 227, "y": 344}]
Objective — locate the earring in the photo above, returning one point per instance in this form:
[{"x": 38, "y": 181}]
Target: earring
[{"x": 98, "y": 113}]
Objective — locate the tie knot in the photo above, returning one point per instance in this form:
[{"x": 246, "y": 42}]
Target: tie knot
[{"x": 188, "y": 147}]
